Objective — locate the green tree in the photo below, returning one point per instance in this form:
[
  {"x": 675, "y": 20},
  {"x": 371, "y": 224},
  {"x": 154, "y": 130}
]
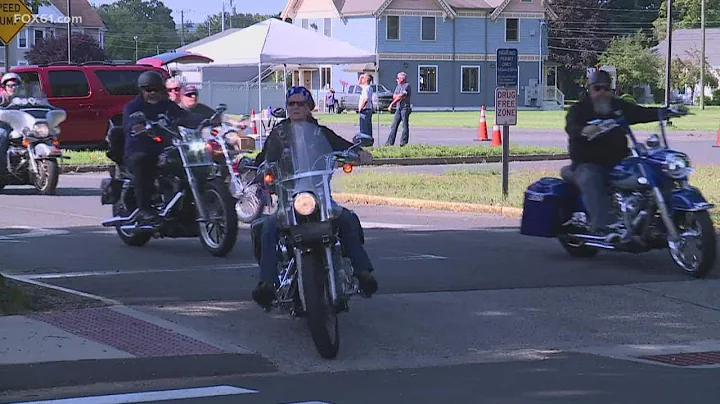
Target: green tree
[
  {"x": 635, "y": 62},
  {"x": 686, "y": 14},
  {"x": 150, "y": 21}
]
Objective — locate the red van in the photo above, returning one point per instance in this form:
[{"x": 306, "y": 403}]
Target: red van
[{"x": 92, "y": 94}]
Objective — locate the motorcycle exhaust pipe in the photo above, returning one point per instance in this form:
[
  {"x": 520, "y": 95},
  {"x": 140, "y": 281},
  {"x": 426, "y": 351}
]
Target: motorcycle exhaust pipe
[
  {"x": 599, "y": 245},
  {"x": 119, "y": 220},
  {"x": 172, "y": 204}
]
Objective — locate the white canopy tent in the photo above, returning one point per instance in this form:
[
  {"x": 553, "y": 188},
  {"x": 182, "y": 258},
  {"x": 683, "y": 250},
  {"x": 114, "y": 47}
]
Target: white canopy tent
[{"x": 276, "y": 42}]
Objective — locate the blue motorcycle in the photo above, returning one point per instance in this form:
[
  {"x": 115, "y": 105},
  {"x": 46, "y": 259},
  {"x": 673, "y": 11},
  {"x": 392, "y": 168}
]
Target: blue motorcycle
[{"x": 654, "y": 205}]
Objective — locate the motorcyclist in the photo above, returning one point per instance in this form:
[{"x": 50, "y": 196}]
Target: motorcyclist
[
  {"x": 9, "y": 84},
  {"x": 593, "y": 157},
  {"x": 299, "y": 104},
  {"x": 142, "y": 151}
]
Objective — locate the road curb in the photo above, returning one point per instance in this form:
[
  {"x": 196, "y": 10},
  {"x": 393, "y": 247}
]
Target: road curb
[
  {"x": 428, "y": 161},
  {"x": 465, "y": 160},
  {"x": 427, "y": 204},
  {"x": 84, "y": 168}
]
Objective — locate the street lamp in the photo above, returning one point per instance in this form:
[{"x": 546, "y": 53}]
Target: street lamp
[
  {"x": 135, "y": 38},
  {"x": 541, "y": 82}
]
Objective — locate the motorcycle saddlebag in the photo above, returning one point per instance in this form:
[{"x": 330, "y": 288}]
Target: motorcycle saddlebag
[
  {"x": 116, "y": 145},
  {"x": 544, "y": 209},
  {"x": 110, "y": 191}
]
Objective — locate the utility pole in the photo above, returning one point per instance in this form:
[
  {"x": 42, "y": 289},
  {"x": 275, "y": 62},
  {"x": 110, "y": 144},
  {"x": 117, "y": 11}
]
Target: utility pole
[
  {"x": 702, "y": 55},
  {"x": 69, "y": 29},
  {"x": 232, "y": 13},
  {"x": 182, "y": 27},
  {"x": 669, "y": 53},
  {"x": 222, "y": 18}
]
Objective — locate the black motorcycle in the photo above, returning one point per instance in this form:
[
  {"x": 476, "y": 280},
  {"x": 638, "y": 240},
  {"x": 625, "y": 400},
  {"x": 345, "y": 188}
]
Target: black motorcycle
[{"x": 191, "y": 199}]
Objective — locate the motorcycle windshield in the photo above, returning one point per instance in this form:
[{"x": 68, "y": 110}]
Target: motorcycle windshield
[
  {"x": 29, "y": 96},
  {"x": 303, "y": 165}
]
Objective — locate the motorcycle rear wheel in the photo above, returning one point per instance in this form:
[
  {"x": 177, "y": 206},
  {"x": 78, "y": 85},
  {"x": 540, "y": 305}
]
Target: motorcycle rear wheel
[
  {"x": 578, "y": 251},
  {"x": 132, "y": 239},
  {"x": 321, "y": 315}
]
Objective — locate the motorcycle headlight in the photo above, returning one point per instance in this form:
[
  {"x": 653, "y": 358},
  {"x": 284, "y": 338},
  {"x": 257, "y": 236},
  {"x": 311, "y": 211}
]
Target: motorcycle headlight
[
  {"x": 41, "y": 130},
  {"x": 304, "y": 203},
  {"x": 677, "y": 166}
]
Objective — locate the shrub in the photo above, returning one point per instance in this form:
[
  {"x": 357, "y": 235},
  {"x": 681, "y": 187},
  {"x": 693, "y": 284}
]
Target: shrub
[{"x": 629, "y": 98}]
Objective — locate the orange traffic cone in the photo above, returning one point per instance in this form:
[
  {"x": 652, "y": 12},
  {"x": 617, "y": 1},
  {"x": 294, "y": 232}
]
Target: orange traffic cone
[
  {"x": 482, "y": 134},
  {"x": 496, "y": 136},
  {"x": 717, "y": 142},
  {"x": 253, "y": 121}
]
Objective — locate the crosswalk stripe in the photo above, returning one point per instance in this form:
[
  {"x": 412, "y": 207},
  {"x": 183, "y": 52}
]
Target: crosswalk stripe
[{"x": 150, "y": 396}]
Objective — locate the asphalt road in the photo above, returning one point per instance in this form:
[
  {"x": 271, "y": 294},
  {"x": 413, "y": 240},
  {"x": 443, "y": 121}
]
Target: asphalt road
[{"x": 468, "y": 311}]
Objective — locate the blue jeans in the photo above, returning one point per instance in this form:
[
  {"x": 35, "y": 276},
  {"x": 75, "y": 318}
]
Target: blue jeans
[
  {"x": 4, "y": 144},
  {"x": 591, "y": 179},
  {"x": 366, "y": 122},
  {"x": 349, "y": 235},
  {"x": 401, "y": 114}
]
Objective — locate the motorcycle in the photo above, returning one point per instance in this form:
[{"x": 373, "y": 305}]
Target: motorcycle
[
  {"x": 242, "y": 183},
  {"x": 189, "y": 184},
  {"x": 32, "y": 156},
  {"x": 654, "y": 205},
  {"x": 316, "y": 278}
]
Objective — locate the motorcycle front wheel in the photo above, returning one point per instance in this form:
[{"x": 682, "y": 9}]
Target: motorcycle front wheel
[
  {"x": 219, "y": 234},
  {"x": 697, "y": 248},
  {"x": 46, "y": 180},
  {"x": 321, "y": 314}
]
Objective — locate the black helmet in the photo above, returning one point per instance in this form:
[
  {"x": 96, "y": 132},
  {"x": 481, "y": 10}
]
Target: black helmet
[
  {"x": 600, "y": 77},
  {"x": 150, "y": 78}
]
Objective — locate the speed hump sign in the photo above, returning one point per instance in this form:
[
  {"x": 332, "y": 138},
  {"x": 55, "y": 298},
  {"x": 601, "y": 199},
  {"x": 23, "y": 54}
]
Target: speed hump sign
[{"x": 13, "y": 14}]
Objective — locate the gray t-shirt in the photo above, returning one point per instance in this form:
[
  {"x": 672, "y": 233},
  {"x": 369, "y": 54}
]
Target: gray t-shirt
[
  {"x": 367, "y": 92},
  {"x": 404, "y": 88}
]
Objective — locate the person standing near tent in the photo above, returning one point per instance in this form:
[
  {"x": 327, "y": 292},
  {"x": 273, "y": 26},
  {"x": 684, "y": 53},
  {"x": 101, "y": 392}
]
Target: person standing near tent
[{"x": 365, "y": 107}]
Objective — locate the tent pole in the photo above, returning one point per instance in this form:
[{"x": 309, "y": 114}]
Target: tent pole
[
  {"x": 261, "y": 127},
  {"x": 285, "y": 89}
]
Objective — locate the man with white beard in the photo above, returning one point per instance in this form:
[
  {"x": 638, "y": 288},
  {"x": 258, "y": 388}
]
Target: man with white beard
[{"x": 593, "y": 158}]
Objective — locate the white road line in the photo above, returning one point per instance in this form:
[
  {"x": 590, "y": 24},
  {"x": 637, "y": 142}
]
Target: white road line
[
  {"x": 46, "y": 211},
  {"x": 21, "y": 278},
  {"x": 149, "y": 396},
  {"x": 33, "y": 233},
  {"x": 378, "y": 225},
  {"x": 415, "y": 257},
  {"x": 63, "y": 275}
]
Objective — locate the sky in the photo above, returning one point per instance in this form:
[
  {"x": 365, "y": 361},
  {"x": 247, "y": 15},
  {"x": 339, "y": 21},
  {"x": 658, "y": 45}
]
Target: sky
[{"x": 196, "y": 11}]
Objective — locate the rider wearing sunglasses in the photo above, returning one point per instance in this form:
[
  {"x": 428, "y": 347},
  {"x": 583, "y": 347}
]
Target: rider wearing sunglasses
[
  {"x": 593, "y": 158},
  {"x": 300, "y": 103},
  {"x": 142, "y": 152}
]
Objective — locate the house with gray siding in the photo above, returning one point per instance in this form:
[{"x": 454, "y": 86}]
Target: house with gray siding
[{"x": 447, "y": 47}]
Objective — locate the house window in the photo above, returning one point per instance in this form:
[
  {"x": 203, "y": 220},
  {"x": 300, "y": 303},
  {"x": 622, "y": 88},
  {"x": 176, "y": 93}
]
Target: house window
[
  {"x": 327, "y": 26},
  {"x": 526, "y": 1},
  {"x": 428, "y": 28},
  {"x": 305, "y": 23},
  {"x": 512, "y": 30},
  {"x": 22, "y": 63},
  {"x": 101, "y": 39},
  {"x": 427, "y": 79},
  {"x": 38, "y": 35},
  {"x": 22, "y": 39},
  {"x": 470, "y": 79},
  {"x": 392, "y": 30},
  {"x": 325, "y": 77}
]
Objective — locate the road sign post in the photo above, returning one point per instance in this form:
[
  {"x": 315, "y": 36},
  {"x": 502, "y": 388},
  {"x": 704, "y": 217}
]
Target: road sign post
[
  {"x": 13, "y": 15},
  {"x": 506, "y": 96}
]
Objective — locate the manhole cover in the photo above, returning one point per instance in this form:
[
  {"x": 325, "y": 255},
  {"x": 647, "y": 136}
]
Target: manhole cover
[{"x": 687, "y": 359}]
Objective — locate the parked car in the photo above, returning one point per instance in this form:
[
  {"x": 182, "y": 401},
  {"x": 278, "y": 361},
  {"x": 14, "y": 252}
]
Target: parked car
[
  {"x": 92, "y": 94},
  {"x": 349, "y": 100}
]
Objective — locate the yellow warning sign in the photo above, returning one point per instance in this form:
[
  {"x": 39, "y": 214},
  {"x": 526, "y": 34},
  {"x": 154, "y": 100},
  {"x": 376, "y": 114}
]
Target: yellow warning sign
[{"x": 13, "y": 15}]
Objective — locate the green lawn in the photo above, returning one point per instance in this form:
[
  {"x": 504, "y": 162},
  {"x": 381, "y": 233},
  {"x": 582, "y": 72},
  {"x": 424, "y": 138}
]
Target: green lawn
[
  {"x": 707, "y": 120},
  {"x": 483, "y": 186},
  {"x": 409, "y": 151}
]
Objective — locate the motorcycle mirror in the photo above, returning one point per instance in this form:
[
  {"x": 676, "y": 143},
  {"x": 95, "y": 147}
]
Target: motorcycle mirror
[
  {"x": 221, "y": 107},
  {"x": 363, "y": 140},
  {"x": 138, "y": 117},
  {"x": 279, "y": 113}
]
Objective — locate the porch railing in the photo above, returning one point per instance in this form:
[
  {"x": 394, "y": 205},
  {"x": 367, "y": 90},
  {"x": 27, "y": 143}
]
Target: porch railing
[{"x": 553, "y": 94}]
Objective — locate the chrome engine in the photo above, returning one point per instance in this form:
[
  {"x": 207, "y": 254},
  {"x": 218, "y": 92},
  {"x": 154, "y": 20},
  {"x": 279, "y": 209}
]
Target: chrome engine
[{"x": 632, "y": 210}]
